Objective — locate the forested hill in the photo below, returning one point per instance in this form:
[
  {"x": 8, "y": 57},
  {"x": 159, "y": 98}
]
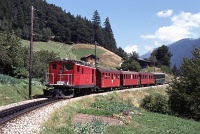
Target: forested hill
[{"x": 52, "y": 22}]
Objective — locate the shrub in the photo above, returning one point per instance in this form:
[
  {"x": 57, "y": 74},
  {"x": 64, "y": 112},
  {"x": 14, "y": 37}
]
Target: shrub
[
  {"x": 94, "y": 126},
  {"x": 113, "y": 104},
  {"x": 156, "y": 103},
  {"x": 5, "y": 79}
]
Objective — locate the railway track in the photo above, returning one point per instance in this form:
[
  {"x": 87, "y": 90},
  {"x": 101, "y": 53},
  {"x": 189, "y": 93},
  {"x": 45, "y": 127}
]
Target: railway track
[
  {"x": 12, "y": 113},
  {"x": 32, "y": 120}
]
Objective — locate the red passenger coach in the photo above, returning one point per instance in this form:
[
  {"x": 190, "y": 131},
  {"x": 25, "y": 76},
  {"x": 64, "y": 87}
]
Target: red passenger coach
[
  {"x": 107, "y": 78},
  {"x": 129, "y": 79},
  {"x": 71, "y": 74},
  {"x": 147, "y": 79}
]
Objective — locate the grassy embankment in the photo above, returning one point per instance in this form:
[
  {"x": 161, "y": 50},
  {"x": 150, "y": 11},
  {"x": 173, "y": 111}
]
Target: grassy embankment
[
  {"x": 14, "y": 90},
  {"x": 113, "y": 104}
]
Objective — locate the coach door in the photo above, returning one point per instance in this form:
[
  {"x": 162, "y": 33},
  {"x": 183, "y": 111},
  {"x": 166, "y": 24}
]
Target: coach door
[{"x": 93, "y": 75}]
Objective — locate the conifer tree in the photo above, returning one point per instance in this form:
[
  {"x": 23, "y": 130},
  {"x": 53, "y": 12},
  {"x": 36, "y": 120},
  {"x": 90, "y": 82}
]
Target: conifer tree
[
  {"x": 98, "y": 33},
  {"x": 162, "y": 55},
  {"x": 96, "y": 20},
  {"x": 110, "y": 42},
  {"x": 184, "y": 92}
]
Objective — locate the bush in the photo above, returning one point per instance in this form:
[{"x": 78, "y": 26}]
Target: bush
[
  {"x": 156, "y": 103},
  {"x": 5, "y": 79},
  {"x": 113, "y": 104},
  {"x": 92, "y": 127}
]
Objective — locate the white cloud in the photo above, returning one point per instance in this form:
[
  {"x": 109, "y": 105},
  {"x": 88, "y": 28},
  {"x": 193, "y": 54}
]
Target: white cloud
[
  {"x": 153, "y": 46},
  {"x": 165, "y": 13},
  {"x": 130, "y": 49},
  {"x": 149, "y": 48},
  {"x": 181, "y": 27},
  {"x": 186, "y": 20}
]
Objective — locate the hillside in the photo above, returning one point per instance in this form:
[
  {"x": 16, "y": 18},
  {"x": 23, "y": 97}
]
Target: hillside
[
  {"x": 54, "y": 23},
  {"x": 76, "y": 51},
  {"x": 180, "y": 49}
]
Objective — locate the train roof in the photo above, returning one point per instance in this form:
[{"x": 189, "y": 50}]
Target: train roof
[
  {"x": 146, "y": 73},
  {"x": 107, "y": 70},
  {"x": 129, "y": 72},
  {"x": 159, "y": 73},
  {"x": 73, "y": 62}
]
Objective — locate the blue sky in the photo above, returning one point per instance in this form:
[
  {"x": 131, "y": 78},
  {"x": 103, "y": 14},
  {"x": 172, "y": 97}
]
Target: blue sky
[{"x": 142, "y": 25}]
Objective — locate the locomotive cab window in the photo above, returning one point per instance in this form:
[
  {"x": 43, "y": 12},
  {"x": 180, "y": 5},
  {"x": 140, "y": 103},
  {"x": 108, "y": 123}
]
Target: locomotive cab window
[
  {"x": 54, "y": 66},
  {"x": 68, "y": 67}
]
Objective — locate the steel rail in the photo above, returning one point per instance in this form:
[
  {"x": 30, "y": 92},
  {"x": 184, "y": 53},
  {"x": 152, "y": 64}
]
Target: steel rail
[{"x": 11, "y": 113}]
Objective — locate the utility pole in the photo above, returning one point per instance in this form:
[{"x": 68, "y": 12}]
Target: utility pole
[
  {"x": 95, "y": 54},
  {"x": 154, "y": 60},
  {"x": 30, "y": 58}
]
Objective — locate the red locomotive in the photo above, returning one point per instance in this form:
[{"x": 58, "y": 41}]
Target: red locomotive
[{"x": 69, "y": 75}]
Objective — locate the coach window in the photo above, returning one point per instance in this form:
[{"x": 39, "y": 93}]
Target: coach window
[
  {"x": 54, "y": 66},
  {"x": 106, "y": 76}
]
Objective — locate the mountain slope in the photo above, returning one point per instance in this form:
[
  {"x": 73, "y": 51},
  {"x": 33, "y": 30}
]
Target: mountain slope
[{"x": 180, "y": 49}]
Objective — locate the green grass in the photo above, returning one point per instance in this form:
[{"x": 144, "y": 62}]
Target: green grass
[
  {"x": 64, "y": 50},
  {"x": 86, "y": 51},
  {"x": 12, "y": 93},
  {"x": 157, "y": 124},
  {"x": 56, "y": 47},
  {"x": 147, "y": 122}
]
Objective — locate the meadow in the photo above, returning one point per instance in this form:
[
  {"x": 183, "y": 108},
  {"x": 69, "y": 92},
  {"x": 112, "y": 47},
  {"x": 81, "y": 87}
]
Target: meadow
[{"x": 112, "y": 105}]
